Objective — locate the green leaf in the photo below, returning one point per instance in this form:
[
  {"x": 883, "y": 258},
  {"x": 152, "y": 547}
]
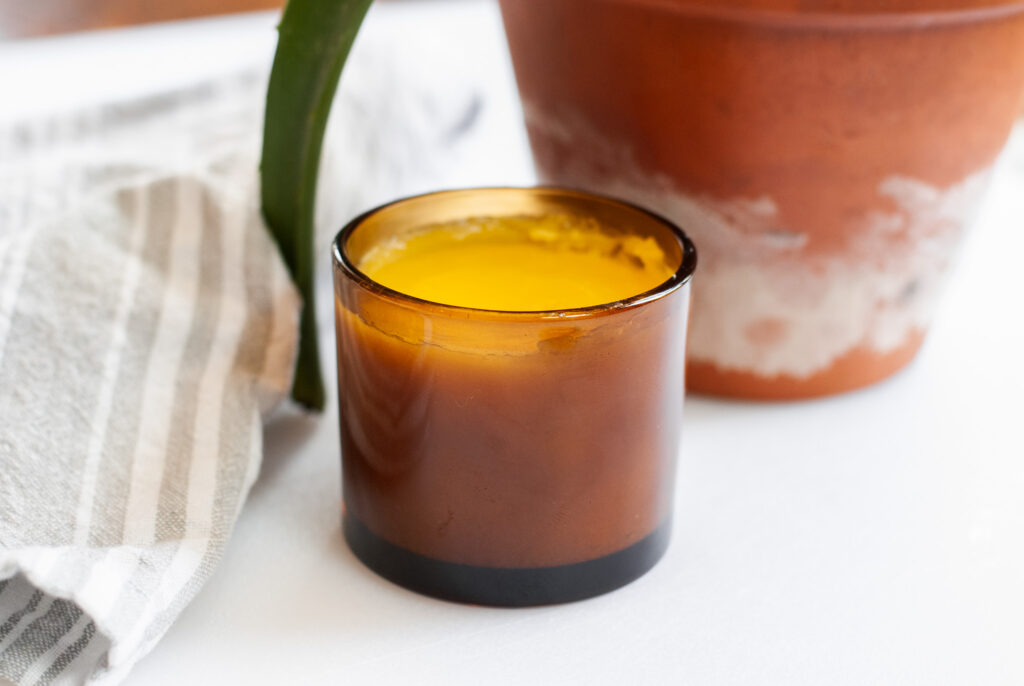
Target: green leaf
[{"x": 314, "y": 39}]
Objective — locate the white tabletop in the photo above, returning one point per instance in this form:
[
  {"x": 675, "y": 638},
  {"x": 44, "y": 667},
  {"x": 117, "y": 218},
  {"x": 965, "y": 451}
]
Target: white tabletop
[{"x": 871, "y": 538}]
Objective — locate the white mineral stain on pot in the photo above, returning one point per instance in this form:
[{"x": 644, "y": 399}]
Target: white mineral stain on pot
[{"x": 760, "y": 303}]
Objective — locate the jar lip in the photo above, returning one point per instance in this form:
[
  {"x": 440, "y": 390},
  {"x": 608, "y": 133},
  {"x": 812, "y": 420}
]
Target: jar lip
[
  {"x": 837, "y": 20},
  {"x": 681, "y": 276}
]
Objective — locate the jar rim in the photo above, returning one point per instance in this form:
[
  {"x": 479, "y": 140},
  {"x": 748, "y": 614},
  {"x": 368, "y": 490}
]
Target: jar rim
[{"x": 680, "y": 276}]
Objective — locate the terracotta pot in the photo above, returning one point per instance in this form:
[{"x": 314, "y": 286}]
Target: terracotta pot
[{"x": 825, "y": 162}]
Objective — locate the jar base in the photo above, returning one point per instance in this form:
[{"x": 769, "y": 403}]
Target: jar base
[
  {"x": 501, "y": 586},
  {"x": 859, "y": 368}
]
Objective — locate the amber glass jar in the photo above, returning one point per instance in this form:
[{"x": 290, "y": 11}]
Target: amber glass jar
[{"x": 508, "y": 458}]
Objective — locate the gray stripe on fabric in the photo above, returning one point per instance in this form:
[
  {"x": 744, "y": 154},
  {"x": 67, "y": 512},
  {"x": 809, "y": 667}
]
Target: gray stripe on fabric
[
  {"x": 172, "y": 506},
  {"x": 39, "y": 637},
  {"x": 127, "y": 613},
  {"x": 122, "y": 433},
  {"x": 238, "y": 410},
  {"x": 227, "y": 503},
  {"x": 60, "y": 379},
  {"x": 248, "y": 366},
  {"x": 133, "y": 222},
  {"x": 3, "y": 585},
  {"x": 166, "y": 202},
  {"x": 90, "y": 662},
  {"x": 15, "y": 617},
  {"x": 68, "y": 656}
]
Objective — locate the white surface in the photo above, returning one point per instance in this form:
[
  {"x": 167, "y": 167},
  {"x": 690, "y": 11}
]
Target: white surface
[{"x": 873, "y": 538}]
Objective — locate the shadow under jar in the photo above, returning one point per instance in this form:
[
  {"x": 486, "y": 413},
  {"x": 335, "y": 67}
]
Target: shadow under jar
[{"x": 511, "y": 457}]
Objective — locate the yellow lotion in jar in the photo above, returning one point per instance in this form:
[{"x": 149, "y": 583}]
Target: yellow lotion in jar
[{"x": 518, "y": 264}]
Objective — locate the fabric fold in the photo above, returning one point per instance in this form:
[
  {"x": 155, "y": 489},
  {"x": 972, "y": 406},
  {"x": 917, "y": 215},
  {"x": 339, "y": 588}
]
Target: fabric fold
[{"x": 147, "y": 324}]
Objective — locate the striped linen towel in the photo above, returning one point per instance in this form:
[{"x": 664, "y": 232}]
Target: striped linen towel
[{"x": 146, "y": 324}]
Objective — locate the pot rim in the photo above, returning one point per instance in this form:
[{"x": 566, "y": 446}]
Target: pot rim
[{"x": 836, "y": 21}]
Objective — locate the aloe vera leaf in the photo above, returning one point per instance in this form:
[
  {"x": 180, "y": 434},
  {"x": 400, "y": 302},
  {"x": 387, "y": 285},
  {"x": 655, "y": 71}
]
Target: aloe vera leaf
[{"x": 314, "y": 39}]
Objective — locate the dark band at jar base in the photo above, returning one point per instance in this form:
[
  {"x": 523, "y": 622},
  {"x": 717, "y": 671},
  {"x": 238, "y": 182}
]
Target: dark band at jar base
[{"x": 506, "y": 587}]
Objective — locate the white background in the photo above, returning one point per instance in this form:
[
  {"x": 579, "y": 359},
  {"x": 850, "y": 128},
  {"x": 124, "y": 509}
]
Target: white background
[{"x": 872, "y": 538}]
